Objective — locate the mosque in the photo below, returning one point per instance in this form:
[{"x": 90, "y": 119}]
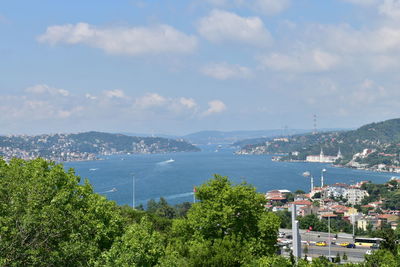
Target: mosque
[{"x": 323, "y": 158}]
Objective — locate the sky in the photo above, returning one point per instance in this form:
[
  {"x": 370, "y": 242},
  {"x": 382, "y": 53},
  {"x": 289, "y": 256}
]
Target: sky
[{"x": 181, "y": 66}]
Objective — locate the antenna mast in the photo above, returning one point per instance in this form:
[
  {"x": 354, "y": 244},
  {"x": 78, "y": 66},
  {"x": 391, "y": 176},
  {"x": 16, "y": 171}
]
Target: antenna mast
[{"x": 315, "y": 124}]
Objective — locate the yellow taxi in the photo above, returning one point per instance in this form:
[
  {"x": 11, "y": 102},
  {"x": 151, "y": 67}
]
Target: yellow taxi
[
  {"x": 321, "y": 244},
  {"x": 344, "y": 244}
]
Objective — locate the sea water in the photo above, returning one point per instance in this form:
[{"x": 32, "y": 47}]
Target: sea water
[{"x": 173, "y": 176}]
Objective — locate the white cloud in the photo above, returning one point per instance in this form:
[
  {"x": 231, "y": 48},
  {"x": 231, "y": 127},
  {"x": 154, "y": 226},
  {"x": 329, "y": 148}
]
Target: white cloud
[
  {"x": 187, "y": 102},
  {"x": 215, "y": 106},
  {"x": 122, "y": 40},
  {"x": 45, "y": 89},
  {"x": 318, "y": 48},
  {"x": 271, "y": 7},
  {"x": 162, "y": 105},
  {"x": 90, "y": 96},
  {"x": 112, "y": 94},
  {"x": 390, "y": 8},
  {"x": 222, "y": 26},
  {"x": 224, "y": 71},
  {"x": 314, "y": 61},
  {"x": 150, "y": 100}
]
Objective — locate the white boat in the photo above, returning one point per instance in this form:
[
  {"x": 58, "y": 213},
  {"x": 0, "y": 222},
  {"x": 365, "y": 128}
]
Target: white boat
[{"x": 169, "y": 161}]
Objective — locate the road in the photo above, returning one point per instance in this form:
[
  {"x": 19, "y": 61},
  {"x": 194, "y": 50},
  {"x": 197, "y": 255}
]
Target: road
[{"x": 353, "y": 254}]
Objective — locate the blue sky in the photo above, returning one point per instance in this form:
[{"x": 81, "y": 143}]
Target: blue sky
[{"x": 176, "y": 67}]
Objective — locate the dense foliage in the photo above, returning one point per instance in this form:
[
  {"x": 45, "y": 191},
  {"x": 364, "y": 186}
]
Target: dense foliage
[{"x": 48, "y": 218}]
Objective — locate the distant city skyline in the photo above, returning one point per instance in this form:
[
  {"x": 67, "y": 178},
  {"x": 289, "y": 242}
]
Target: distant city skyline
[{"x": 178, "y": 67}]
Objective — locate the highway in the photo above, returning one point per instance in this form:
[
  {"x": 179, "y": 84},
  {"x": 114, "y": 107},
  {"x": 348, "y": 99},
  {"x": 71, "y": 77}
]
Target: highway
[{"x": 354, "y": 254}]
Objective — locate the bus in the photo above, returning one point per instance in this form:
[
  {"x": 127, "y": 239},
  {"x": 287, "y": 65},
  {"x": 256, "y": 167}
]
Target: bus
[{"x": 367, "y": 242}]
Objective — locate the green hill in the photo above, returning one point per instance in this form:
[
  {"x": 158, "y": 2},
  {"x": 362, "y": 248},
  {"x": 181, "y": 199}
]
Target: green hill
[
  {"x": 382, "y": 140},
  {"x": 86, "y": 146}
]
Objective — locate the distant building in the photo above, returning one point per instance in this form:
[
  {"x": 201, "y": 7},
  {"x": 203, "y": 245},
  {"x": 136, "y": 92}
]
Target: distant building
[
  {"x": 335, "y": 190},
  {"x": 300, "y": 204},
  {"x": 354, "y": 196},
  {"x": 277, "y": 195},
  {"x": 323, "y": 158}
]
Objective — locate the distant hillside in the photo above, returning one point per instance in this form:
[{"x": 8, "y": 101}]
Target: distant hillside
[
  {"x": 262, "y": 140},
  {"x": 230, "y": 137},
  {"x": 381, "y": 140},
  {"x": 86, "y": 146}
]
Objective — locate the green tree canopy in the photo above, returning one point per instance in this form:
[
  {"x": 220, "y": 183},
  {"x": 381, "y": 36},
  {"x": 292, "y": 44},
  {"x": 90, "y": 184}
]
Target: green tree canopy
[
  {"x": 48, "y": 219},
  {"x": 229, "y": 218}
]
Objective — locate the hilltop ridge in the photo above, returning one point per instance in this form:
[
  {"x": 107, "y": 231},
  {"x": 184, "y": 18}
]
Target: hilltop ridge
[
  {"x": 86, "y": 146},
  {"x": 372, "y": 146}
]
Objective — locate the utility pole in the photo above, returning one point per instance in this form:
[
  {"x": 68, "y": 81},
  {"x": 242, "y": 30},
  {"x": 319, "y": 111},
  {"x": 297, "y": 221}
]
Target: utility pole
[
  {"x": 329, "y": 234},
  {"x": 296, "y": 234},
  {"x": 354, "y": 222},
  {"x": 133, "y": 192}
]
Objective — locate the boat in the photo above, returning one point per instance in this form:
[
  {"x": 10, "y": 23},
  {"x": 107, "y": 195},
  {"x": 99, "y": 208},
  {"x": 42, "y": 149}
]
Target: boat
[{"x": 169, "y": 161}]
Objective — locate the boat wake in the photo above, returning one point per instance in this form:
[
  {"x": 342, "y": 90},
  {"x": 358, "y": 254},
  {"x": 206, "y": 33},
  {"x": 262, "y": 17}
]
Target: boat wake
[
  {"x": 179, "y": 195},
  {"x": 165, "y": 162},
  {"x": 109, "y": 191}
]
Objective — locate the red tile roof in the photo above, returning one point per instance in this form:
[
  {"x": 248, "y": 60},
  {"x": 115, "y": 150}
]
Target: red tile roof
[{"x": 302, "y": 202}]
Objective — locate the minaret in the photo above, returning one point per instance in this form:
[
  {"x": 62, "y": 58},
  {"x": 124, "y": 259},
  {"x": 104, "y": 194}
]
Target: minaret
[
  {"x": 339, "y": 154},
  {"x": 322, "y": 177},
  {"x": 321, "y": 155}
]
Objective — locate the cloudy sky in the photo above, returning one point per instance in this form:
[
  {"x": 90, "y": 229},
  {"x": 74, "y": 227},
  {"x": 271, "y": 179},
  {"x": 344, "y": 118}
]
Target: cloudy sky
[{"x": 179, "y": 66}]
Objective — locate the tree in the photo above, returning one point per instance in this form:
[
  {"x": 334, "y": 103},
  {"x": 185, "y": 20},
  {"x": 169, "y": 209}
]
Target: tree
[
  {"x": 337, "y": 258},
  {"x": 139, "y": 246},
  {"x": 182, "y": 209},
  {"x": 317, "y": 195},
  {"x": 161, "y": 208},
  {"x": 285, "y": 218},
  {"x": 313, "y": 221},
  {"x": 390, "y": 239},
  {"x": 344, "y": 256},
  {"x": 381, "y": 258},
  {"x": 48, "y": 219},
  {"x": 230, "y": 219}
]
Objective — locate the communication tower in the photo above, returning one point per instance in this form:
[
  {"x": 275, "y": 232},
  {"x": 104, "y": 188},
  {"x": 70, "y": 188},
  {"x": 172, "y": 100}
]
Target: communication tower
[{"x": 315, "y": 124}]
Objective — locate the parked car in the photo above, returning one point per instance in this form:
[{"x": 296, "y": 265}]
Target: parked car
[
  {"x": 351, "y": 245},
  {"x": 281, "y": 234},
  {"x": 321, "y": 244}
]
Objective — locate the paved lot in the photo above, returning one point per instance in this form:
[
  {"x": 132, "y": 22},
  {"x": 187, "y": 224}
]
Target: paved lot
[{"x": 353, "y": 254}]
